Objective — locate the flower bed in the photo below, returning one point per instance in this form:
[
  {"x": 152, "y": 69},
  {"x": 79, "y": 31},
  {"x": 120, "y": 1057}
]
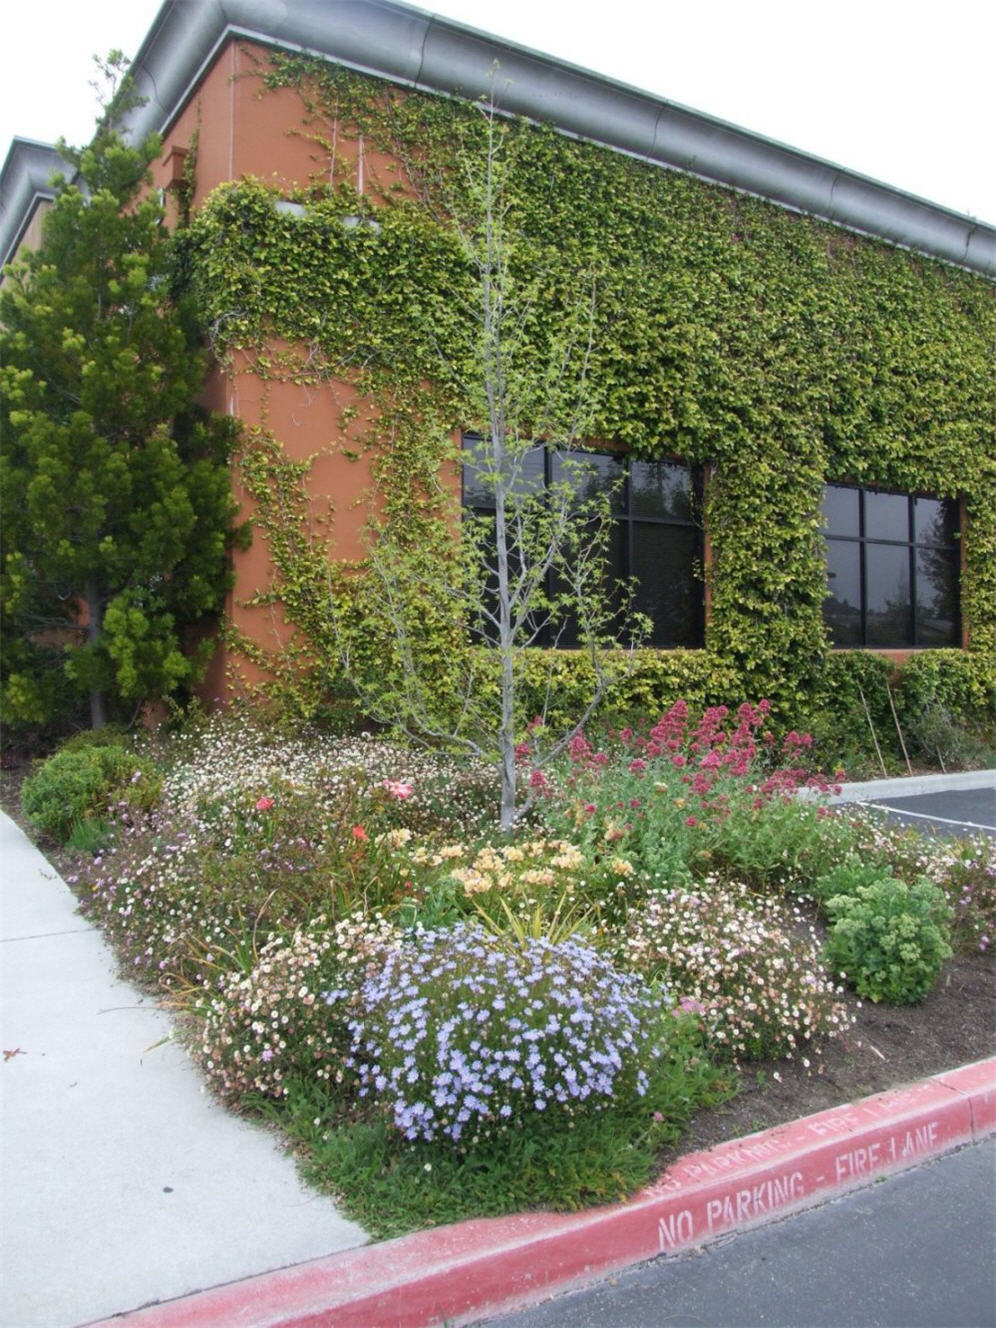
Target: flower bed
[{"x": 448, "y": 1021}]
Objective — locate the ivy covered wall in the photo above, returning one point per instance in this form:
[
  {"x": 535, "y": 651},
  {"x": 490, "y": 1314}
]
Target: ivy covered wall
[{"x": 779, "y": 351}]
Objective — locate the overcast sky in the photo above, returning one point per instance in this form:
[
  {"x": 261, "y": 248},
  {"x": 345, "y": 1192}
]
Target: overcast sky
[{"x": 902, "y": 91}]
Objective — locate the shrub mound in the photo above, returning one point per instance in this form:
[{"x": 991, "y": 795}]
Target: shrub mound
[
  {"x": 889, "y": 939},
  {"x": 77, "y": 783},
  {"x": 461, "y": 1036},
  {"x": 750, "y": 964},
  {"x": 262, "y": 1028}
]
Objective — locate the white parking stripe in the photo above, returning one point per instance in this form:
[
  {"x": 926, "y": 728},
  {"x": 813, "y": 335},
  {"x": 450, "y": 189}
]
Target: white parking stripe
[{"x": 922, "y": 816}]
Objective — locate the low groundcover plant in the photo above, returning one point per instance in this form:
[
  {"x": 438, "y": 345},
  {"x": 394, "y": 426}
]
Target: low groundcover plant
[
  {"x": 751, "y": 963},
  {"x": 261, "y": 1029}
]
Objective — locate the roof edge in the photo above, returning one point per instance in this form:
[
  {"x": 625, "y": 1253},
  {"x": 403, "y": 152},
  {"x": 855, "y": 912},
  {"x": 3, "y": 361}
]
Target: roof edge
[
  {"x": 413, "y": 47},
  {"x": 25, "y": 181}
]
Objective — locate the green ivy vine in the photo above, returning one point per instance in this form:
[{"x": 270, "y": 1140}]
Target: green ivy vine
[{"x": 776, "y": 349}]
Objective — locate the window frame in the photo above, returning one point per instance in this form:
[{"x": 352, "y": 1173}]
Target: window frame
[
  {"x": 914, "y": 544},
  {"x": 625, "y": 518}
]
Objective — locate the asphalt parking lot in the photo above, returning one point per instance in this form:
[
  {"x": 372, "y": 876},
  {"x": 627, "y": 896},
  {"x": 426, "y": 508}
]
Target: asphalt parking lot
[{"x": 944, "y": 812}]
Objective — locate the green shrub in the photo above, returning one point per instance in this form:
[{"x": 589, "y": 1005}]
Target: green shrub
[
  {"x": 855, "y": 685},
  {"x": 889, "y": 939},
  {"x": 77, "y": 784},
  {"x": 947, "y": 700},
  {"x": 111, "y": 735},
  {"x": 852, "y": 874},
  {"x": 90, "y": 837},
  {"x": 958, "y": 681},
  {"x": 940, "y": 736}
]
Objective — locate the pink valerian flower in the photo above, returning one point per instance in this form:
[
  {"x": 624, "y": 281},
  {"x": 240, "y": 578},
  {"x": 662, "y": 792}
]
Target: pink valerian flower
[
  {"x": 397, "y": 788},
  {"x": 794, "y": 743},
  {"x": 637, "y": 766},
  {"x": 537, "y": 780},
  {"x": 579, "y": 748},
  {"x": 671, "y": 727},
  {"x": 264, "y": 804}
]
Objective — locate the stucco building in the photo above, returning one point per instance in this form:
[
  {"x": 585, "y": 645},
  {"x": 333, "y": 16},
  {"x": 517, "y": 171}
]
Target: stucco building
[{"x": 908, "y": 539}]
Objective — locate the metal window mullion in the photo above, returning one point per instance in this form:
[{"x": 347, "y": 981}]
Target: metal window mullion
[
  {"x": 862, "y": 569},
  {"x": 911, "y": 532}
]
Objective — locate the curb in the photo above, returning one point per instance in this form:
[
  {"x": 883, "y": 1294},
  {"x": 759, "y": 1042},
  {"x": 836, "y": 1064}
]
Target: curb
[
  {"x": 488, "y": 1266},
  {"x": 903, "y": 786}
]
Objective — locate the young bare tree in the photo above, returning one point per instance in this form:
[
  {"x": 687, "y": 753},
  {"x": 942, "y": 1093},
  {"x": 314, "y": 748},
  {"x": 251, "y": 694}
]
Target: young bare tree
[{"x": 530, "y": 566}]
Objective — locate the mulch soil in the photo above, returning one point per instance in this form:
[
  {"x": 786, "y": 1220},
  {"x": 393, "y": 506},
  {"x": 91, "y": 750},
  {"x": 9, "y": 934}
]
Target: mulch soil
[{"x": 889, "y": 1046}]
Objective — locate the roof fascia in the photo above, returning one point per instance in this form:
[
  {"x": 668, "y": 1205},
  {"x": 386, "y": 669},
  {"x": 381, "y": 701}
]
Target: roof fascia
[
  {"x": 26, "y": 181},
  {"x": 418, "y": 49}
]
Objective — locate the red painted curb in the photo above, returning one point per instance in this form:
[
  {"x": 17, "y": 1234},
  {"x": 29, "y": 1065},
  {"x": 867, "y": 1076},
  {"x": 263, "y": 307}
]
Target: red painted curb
[{"x": 480, "y": 1268}]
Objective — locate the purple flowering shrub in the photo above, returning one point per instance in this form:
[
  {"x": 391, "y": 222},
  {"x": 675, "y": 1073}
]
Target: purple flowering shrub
[{"x": 461, "y": 1037}]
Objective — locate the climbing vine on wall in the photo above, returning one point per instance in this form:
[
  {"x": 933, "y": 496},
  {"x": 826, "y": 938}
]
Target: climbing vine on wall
[{"x": 776, "y": 349}]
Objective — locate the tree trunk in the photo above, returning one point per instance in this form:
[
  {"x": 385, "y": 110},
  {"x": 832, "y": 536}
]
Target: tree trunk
[{"x": 98, "y": 702}]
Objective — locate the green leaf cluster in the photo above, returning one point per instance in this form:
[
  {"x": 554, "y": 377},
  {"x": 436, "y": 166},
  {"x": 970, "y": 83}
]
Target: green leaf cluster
[
  {"x": 76, "y": 785},
  {"x": 889, "y": 939}
]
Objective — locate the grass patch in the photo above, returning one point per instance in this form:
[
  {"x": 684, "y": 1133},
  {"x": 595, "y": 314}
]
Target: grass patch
[{"x": 392, "y": 1186}]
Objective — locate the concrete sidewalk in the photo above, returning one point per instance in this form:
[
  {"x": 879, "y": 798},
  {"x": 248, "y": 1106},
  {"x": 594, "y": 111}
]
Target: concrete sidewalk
[{"x": 122, "y": 1182}]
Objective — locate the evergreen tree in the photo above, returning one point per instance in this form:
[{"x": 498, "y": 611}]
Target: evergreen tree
[{"x": 116, "y": 500}]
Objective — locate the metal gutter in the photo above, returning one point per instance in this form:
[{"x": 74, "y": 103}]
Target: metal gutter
[{"x": 418, "y": 49}]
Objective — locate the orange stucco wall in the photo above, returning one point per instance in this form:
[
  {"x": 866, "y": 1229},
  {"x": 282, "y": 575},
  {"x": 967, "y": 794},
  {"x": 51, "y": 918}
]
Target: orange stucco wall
[{"x": 237, "y": 132}]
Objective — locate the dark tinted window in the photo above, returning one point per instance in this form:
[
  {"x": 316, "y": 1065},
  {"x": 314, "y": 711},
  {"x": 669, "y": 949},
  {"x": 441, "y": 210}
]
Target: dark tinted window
[
  {"x": 655, "y": 536},
  {"x": 841, "y": 510},
  {"x": 892, "y": 568}
]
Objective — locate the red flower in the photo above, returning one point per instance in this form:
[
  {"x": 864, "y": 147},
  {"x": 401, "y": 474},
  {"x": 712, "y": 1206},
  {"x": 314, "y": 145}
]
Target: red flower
[
  {"x": 359, "y": 832},
  {"x": 264, "y": 804}
]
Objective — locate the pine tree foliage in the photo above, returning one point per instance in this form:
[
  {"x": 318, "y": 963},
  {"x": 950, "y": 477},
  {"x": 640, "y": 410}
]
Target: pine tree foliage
[{"x": 116, "y": 499}]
